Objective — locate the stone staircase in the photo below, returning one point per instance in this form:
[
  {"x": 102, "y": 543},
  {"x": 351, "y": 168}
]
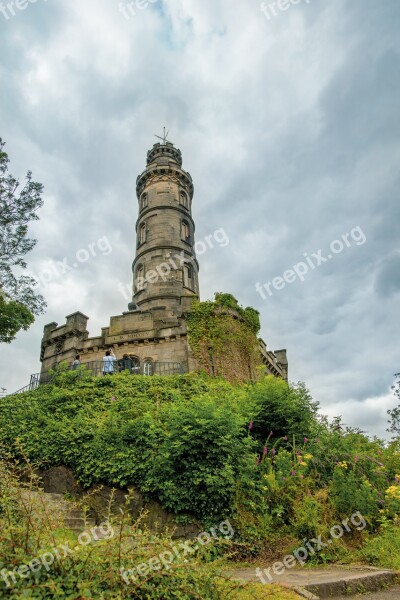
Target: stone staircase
[{"x": 53, "y": 509}]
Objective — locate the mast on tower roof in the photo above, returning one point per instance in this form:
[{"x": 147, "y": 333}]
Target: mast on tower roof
[{"x": 164, "y": 137}]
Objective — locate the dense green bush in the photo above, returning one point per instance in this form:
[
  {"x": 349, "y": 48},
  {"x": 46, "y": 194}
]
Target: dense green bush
[
  {"x": 207, "y": 449},
  {"x": 39, "y": 559}
]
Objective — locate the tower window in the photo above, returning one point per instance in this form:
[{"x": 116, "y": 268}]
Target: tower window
[
  {"x": 185, "y": 231},
  {"x": 140, "y": 280},
  {"x": 142, "y": 233},
  {"x": 184, "y": 200},
  {"x": 144, "y": 201},
  {"x": 188, "y": 279}
]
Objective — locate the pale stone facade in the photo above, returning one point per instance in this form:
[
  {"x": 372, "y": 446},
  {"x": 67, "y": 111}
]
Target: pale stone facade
[{"x": 165, "y": 281}]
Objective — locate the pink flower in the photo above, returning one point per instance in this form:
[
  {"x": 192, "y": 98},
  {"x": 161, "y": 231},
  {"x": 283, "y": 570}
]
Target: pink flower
[
  {"x": 258, "y": 460},
  {"x": 250, "y": 425},
  {"x": 265, "y": 450},
  {"x": 273, "y": 451},
  {"x": 293, "y": 473},
  {"x": 305, "y": 440},
  {"x": 357, "y": 458},
  {"x": 285, "y": 438}
]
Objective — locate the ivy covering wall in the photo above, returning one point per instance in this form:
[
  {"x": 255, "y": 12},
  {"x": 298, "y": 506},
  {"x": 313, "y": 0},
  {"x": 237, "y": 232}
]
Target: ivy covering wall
[{"x": 223, "y": 338}]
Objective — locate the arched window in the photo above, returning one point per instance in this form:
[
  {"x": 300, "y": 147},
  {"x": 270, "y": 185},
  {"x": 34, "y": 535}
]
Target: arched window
[
  {"x": 148, "y": 367},
  {"x": 184, "y": 200},
  {"x": 185, "y": 231},
  {"x": 136, "y": 365},
  {"x": 188, "y": 279},
  {"x": 140, "y": 280},
  {"x": 143, "y": 201},
  {"x": 142, "y": 233}
]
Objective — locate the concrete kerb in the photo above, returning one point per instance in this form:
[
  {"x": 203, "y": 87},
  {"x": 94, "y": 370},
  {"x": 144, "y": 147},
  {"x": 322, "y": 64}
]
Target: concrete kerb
[
  {"x": 304, "y": 593},
  {"x": 318, "y": 584},
  {"x": 352, "y": 585}
]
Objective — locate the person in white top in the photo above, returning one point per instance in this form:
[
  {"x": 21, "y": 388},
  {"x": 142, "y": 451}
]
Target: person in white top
[
  {"x": 108, "y": 362},
  {"x": 76, "y": 362}
]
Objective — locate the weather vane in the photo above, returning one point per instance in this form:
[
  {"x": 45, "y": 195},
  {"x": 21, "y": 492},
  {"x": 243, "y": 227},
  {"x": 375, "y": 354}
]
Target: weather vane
[{"x": 164, "y": 137}]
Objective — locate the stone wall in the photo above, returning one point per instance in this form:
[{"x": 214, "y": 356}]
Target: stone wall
[{"x": 101, "y": 498}]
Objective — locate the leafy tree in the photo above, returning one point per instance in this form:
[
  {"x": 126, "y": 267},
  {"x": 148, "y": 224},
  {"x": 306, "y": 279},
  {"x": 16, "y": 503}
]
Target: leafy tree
[
  {"x": 395, "y": 412},
  {"x": 18, "y": 301},
  {"x": 13, "y": 317}
]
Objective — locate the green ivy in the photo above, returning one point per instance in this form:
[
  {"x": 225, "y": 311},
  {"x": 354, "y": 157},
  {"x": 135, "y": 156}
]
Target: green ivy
[{"x": 223, "y": 338}]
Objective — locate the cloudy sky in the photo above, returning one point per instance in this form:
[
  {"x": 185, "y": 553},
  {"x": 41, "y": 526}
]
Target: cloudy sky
[{"x": 288, "y": 122}]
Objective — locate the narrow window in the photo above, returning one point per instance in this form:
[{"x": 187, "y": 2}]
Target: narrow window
[
  {"x": 185, "y": 231},
  {"x": 140, "y": 281},
  {"x": 184, "y": 200},
  {"x": 148, "y": 367},
  {"x": 188, "y": 280},
  {"x": 142, "y": 233},
  {"x": 143, "y": 201}
]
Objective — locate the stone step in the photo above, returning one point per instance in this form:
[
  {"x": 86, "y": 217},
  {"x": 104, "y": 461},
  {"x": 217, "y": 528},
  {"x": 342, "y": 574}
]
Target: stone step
[
  {"x": 45, "y": 496},
  {"x": 70, "y": 517},
  {"x": 78, "y": 521}
]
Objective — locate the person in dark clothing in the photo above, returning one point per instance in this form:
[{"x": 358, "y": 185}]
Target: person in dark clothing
[{"x": 126, "y": 363}]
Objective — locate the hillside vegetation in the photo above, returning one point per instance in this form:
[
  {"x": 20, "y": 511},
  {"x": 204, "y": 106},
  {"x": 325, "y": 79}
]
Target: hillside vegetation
[{"x": 206, "y": 449}]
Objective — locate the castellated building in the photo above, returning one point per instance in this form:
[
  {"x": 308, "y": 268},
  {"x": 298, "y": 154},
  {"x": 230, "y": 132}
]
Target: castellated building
[{"x": 153, "y": 331}]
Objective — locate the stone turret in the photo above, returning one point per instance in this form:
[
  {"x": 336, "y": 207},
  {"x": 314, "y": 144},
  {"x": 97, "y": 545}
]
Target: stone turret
[{"x": 165, "y": 269}]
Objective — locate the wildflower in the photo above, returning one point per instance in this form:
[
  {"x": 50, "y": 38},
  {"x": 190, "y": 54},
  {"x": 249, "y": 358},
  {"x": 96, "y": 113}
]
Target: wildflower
[
  {"x": 308, "y": 456},
  {"x": 357, "y": 458},
  {"x": 250, "y": 425},
  {"x": 273, "y": 451},
  {"x": 285, "y": 438},
  {"x": 301, "y": 476},
  {"x": 306, "y": 440},
  {"x": 258, "y": 460},
  {"x": 265, "y": 450},
  {"x": 293, "y": 473},
  {"x": 393, "y": 490},
  {"x": 303, "y": 464},
  {"x": 342, "y": 465}
]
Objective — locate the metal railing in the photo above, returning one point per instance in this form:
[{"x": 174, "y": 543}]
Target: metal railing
[{"x": 96, "y": 368}]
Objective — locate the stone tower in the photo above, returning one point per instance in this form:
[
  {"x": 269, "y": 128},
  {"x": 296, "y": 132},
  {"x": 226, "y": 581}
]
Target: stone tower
[
  {"x": 165, "y": 269},
  {"x": 153, "y": 331}
]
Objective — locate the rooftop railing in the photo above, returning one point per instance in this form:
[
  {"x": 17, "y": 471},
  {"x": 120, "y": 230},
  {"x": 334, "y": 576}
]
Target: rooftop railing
[{"x": 97, "y": 368}]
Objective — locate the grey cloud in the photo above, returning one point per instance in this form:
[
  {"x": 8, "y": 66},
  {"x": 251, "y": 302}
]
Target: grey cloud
[{"x": 289, "y": 130}]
